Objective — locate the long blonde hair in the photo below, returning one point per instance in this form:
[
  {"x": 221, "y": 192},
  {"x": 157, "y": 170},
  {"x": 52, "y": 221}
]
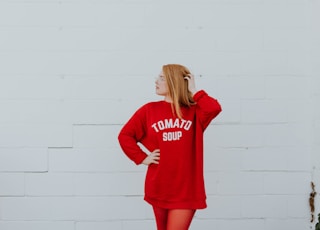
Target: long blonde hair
[{"x": 178, "y": 87}]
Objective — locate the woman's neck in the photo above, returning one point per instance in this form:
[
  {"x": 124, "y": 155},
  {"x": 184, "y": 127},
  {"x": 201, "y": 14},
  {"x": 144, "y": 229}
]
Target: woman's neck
[{"x": 168, "y": 99}]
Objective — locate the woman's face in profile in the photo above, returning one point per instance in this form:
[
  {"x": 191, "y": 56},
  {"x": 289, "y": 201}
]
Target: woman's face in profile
[{"x": 161, "y": 85}]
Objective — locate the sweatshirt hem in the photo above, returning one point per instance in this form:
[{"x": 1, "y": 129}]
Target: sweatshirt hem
[{"x": 200, "y": 204}]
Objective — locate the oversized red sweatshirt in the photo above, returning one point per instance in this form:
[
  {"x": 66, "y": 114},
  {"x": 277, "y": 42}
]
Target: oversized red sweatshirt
[{"x": 177, "y": 181}]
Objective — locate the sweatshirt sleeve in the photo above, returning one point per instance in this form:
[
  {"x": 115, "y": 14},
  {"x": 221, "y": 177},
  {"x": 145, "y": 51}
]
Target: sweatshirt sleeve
[
  {"x": 132, "y": 133},
  {"x": 207, "y": 107}
]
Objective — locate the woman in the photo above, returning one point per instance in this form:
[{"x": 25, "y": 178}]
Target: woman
[{"x": 172, "y": 131}]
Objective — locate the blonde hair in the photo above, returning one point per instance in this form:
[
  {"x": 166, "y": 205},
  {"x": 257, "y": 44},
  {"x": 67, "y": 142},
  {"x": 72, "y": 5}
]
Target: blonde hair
[{"x": 178, "y": 87}]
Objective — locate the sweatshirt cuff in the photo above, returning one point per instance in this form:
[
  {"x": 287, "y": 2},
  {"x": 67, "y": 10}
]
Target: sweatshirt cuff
[{"x": 140, "y": 159}]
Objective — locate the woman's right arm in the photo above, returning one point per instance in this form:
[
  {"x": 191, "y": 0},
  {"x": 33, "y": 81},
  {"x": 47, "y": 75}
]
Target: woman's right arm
[{"x": 132, "y": 133}]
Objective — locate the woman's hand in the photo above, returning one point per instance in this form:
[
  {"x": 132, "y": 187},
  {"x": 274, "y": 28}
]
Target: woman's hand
[
  {"x": 191, "y": 83},
  {"x": 152, "y": 158}
]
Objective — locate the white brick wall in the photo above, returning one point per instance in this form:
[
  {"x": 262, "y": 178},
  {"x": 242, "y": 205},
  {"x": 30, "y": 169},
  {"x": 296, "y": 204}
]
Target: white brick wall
[{"x": 73, "y": 71}]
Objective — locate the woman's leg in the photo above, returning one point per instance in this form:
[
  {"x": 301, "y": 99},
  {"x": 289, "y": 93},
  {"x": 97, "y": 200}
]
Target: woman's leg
[
  {"x": 161, "y": 216},
  {"x": 179, "y": 219}
]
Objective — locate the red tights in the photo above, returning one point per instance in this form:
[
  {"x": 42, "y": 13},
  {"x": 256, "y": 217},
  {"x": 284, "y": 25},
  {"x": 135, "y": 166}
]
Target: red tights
[{"x": 173, "y": 219}]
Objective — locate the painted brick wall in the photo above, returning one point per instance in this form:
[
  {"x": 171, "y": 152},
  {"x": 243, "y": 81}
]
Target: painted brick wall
[{"x": 73, "y": 71}]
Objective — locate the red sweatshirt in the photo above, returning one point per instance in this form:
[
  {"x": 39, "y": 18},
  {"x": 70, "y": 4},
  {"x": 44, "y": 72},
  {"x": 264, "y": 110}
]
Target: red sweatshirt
[{"x": 177, "y": 181}]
